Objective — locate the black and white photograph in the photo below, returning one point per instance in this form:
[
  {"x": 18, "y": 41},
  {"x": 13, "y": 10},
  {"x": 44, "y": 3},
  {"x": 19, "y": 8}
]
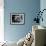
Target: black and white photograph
[{"x": 17, "y": 18}]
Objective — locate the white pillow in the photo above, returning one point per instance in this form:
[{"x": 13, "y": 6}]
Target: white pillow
[
  {"x": 10, "y": 43},
  {"x": 21, "y": 42}
]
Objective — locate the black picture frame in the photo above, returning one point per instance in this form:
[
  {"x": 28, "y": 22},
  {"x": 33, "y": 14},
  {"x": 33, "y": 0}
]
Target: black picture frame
[{"x": 17, "y": 18}]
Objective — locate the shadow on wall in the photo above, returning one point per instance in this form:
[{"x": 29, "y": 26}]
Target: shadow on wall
[{"x": 15, "y": 32}]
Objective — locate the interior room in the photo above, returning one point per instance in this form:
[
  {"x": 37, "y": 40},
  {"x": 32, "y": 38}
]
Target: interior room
[{"x": 22, "y": 22}]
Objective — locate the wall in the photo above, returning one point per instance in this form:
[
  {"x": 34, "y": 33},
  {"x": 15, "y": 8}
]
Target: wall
[
  {"x": 43, "y": 6},
  {"x": 1, "y": 21},
  {"x": 29, "y": 7}
]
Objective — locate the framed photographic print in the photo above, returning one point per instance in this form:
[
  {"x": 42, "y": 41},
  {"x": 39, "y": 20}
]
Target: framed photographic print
[{"x": 17, "y": 18}]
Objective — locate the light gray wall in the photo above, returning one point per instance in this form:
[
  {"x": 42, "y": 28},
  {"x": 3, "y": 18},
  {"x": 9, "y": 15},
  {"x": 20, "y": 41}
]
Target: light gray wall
[
  {"x": 43, "y": 6},
  {"x": 29, "y": 7}
]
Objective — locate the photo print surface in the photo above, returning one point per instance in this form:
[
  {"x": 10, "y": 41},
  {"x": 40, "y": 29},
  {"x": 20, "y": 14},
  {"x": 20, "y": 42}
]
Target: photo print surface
[{"x": 17, "y": 18}]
